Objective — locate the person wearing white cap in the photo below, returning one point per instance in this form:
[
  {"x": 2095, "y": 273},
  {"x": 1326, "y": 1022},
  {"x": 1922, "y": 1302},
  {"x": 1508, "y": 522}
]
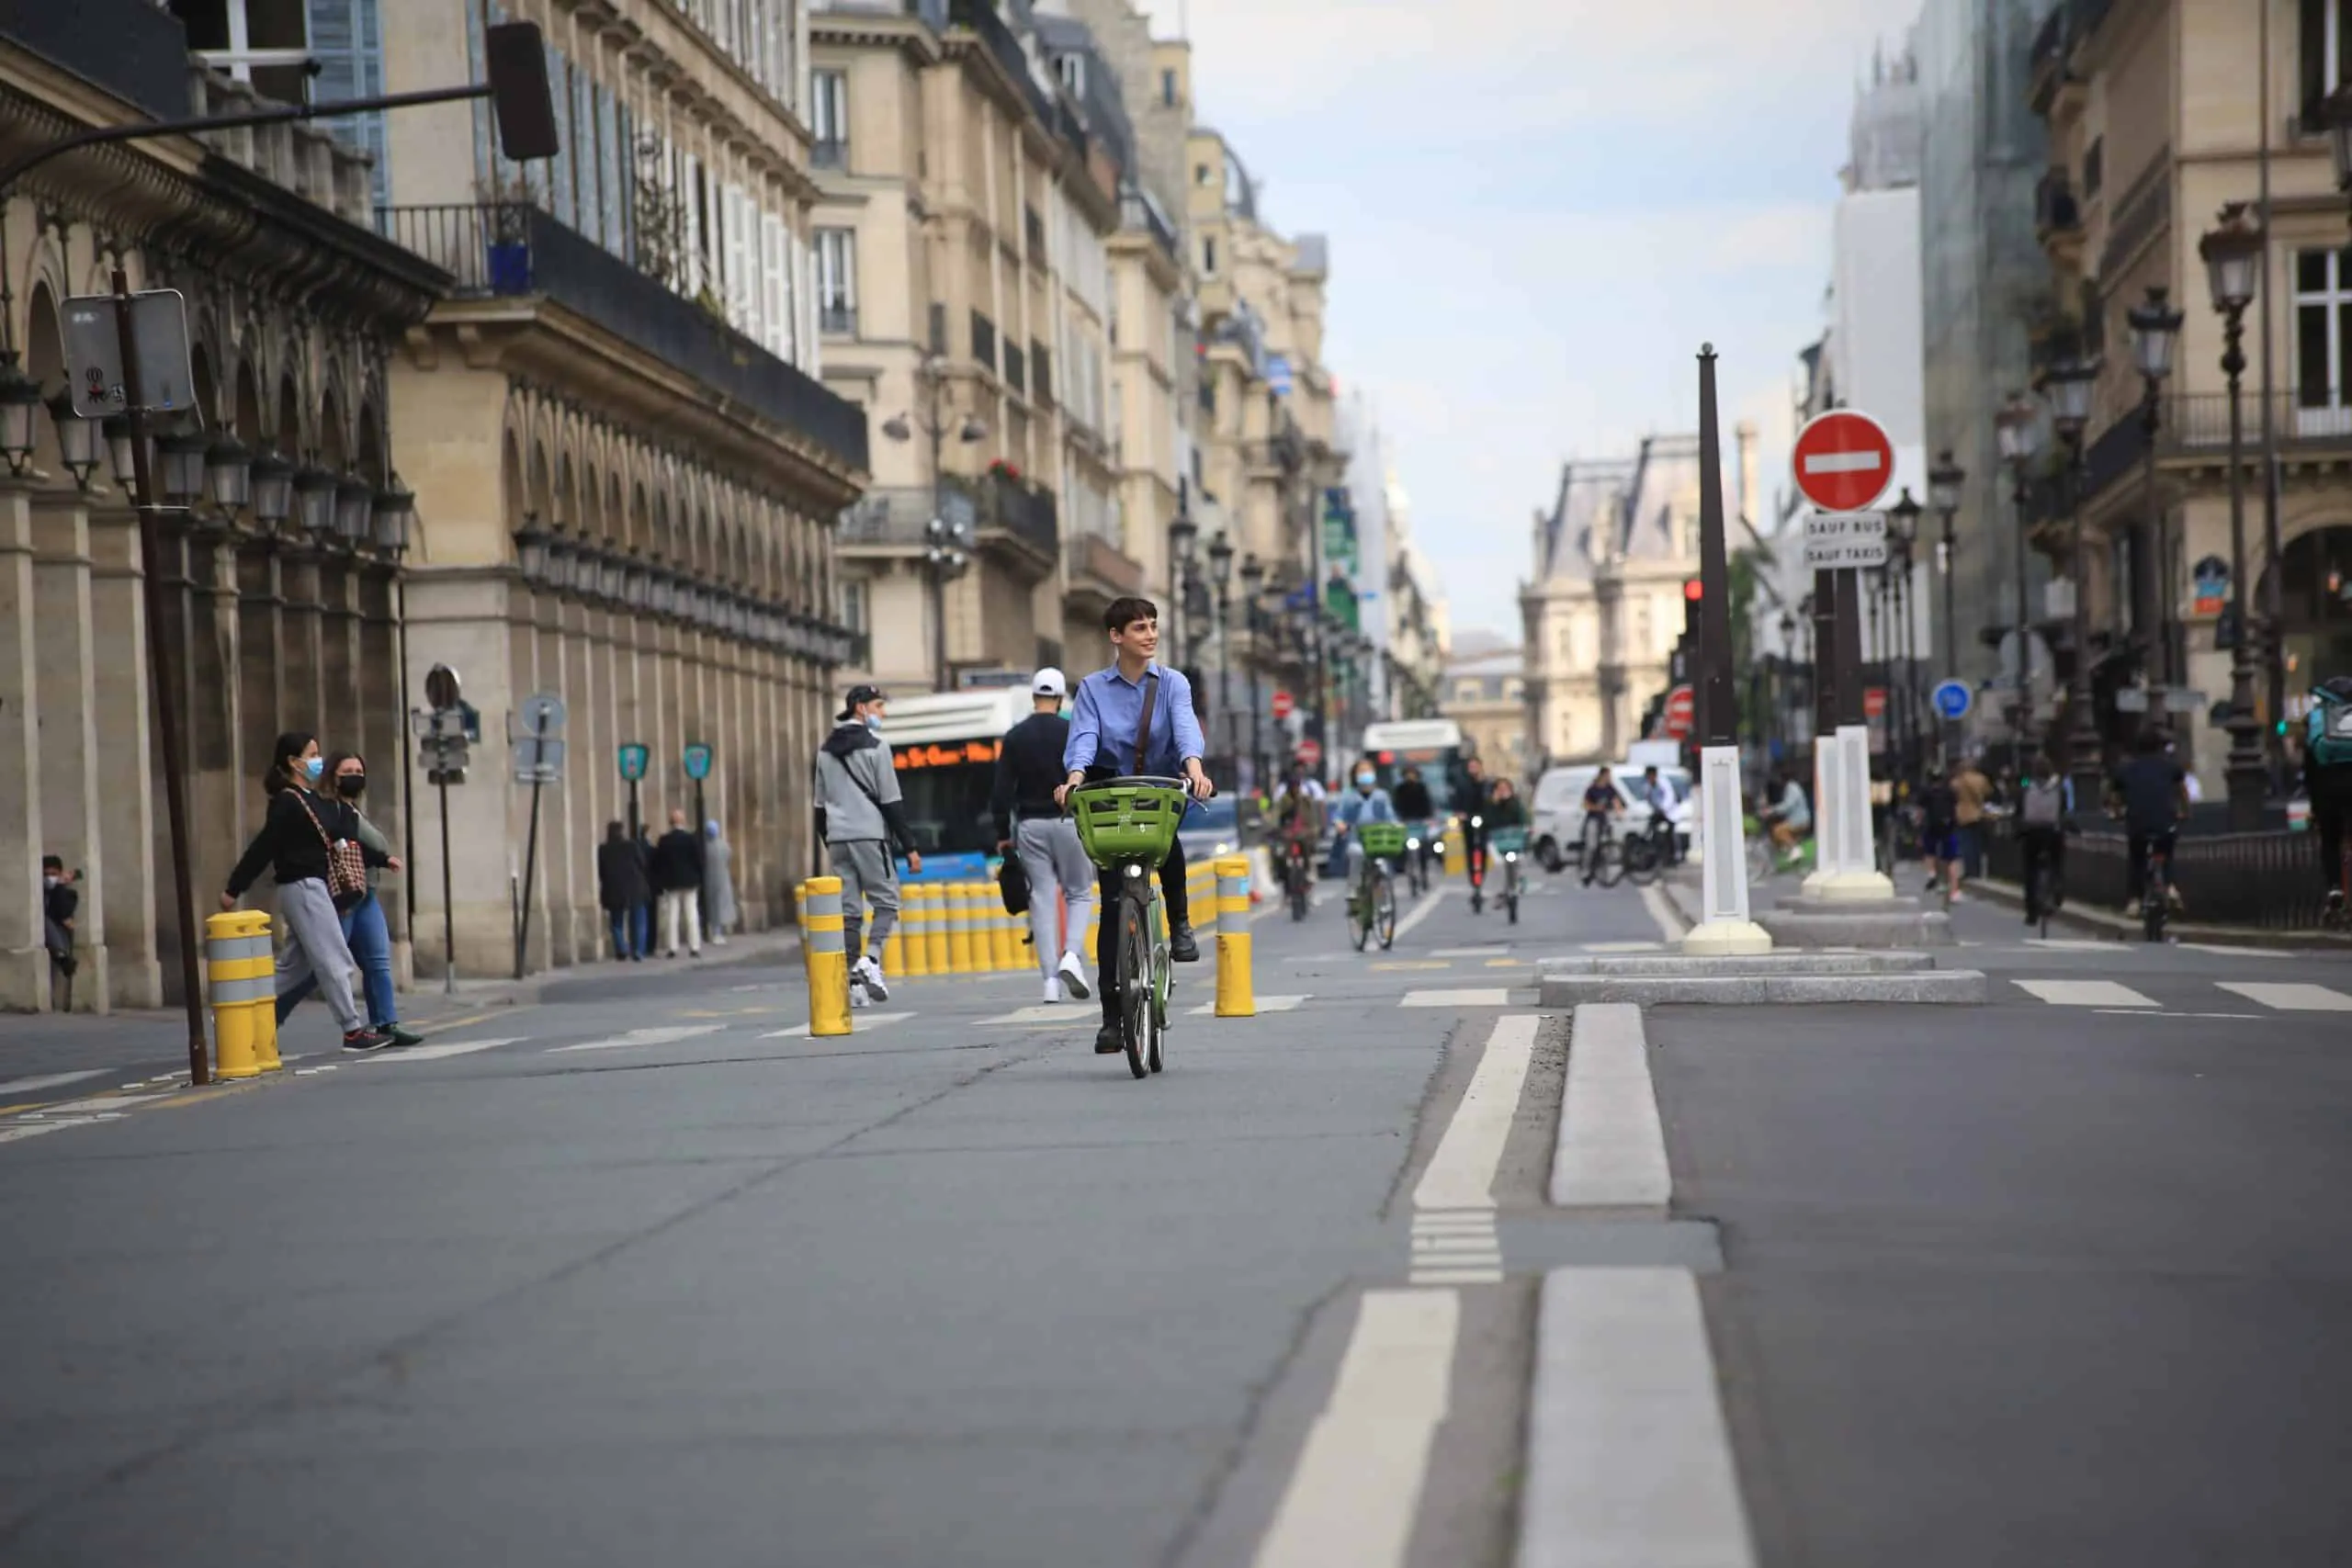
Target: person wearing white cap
[{"x": 1029, "y": 824}]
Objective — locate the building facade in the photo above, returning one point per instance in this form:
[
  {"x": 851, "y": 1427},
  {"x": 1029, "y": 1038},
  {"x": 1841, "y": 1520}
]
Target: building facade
[
  {"x": 2156, "y": 117},
  {"x": 1485, "y": 694},
  {"x": 289, "y": 622},
  {"x": 627, "y": 473}
]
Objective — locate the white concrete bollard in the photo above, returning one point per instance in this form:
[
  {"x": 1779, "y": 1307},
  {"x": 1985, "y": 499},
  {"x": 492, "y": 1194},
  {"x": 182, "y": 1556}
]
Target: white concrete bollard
[{"x": 1722, "y": 863}]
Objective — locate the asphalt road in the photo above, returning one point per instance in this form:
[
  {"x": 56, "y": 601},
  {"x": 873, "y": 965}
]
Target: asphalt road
[
  {"x": 644, "y": 1278},
  {"x": 641, "y": 1270}
]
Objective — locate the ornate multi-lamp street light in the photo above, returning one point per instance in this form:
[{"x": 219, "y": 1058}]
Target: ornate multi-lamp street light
[
  {"x": 2232, "y": 251},
  {"x": 2155, "y": 333},
  {"x": 946, "y": 544},
  {"x": 2069, "y": 385}
]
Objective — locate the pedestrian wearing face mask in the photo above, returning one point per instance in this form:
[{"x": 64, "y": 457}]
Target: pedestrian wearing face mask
[
  {"x": 365, "y": 928},
  {"x": 1368, "y": 802},
  {"x": 307, "y": 841},
  {"x": 860, "y": 816}
]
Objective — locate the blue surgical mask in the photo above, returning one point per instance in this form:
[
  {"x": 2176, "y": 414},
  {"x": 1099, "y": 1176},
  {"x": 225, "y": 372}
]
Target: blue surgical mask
[
  {"x": 1364, "y": 781},
  {"x": 873, "y": 722},
  {"x": 314, "y": 766}
]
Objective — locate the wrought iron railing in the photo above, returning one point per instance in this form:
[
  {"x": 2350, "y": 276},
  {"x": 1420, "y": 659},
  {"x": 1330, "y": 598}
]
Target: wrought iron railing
[
  {"x": 2265, "y": 881},
  {"x": 836, "y": 319},
  {"x": 829, "y": 152}
]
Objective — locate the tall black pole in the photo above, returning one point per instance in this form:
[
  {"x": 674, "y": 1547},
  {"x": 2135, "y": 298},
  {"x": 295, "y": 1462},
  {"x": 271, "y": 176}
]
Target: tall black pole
[
  {"x": 2023, "y": 710},
  {"x": 1257, "y": 751},
  {"x": 2082, "y": 733},
  {"x": 1849, "y": 634},
  {"x": 1826, "y": 591},
  {"x": 531, "y": 849},
  {"x": 2247, "y": 778},
  {"x": 937, "y": 536},
  {"x": 1718, "y": 712},
  {"x": 448, "y": 905},
  {"x": 159, "y": 676}
]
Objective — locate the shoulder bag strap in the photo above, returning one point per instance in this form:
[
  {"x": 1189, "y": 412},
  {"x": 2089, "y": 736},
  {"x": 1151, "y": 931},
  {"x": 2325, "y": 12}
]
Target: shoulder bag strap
[
  {"x": 1143, "y": 730},
  {"x": 312, "y": 815}
]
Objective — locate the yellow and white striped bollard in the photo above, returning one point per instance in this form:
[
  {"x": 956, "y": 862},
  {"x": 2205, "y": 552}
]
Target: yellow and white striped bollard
[
  {"x": 1236, "y": 996},
  {"x": 239, "y": 977},
  {"x": 826, "y": 953}
]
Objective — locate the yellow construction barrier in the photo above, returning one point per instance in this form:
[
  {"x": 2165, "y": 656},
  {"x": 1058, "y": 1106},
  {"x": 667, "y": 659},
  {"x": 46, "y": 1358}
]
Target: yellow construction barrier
[
  {"x": 935, "y": 934},
  {"x": 240, "y": 975},
  {"x": 959, "y": 927},
  {"x": 1236, "y": 996},
  {"x": 914, "y": 916},
  {"x": 824, "y": 951},
  {"x": 1008, "y": 927},
  {"x": 894, "y": 951}
]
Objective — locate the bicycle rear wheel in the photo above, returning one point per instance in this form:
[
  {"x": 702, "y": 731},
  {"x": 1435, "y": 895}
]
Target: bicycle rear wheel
[
  {"x": 1642, "y": 861},
  {"x": 1156, "y": 1058},
  {"x": 1360, "y": 914},
  {"x": 1383, "y": 907},
  {"x": 1511, "y": 894},
  {"x": 1135, "y": 981}
]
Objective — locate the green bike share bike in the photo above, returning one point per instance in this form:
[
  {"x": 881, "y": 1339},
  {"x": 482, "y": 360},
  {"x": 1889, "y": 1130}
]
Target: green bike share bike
[
  {"x": 1372, "y": 900},
  {"x": 1127, "y": 827}
]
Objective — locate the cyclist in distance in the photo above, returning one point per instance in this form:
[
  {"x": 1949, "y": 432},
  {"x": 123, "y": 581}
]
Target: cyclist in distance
[
  {"x": 2154, "y": 793},
  {"x": 1600, "y": 804},
  {"x": 1472, "y": 809},
  {"x": 1504, "y": 808},
  {"x": 1415, "y": 807},
  {"x": 1298, "y": 809},
  {"x": 1366, "y": 803},
  {"x": 1653, "y": 793},
  {"x": 2045, "y": 800}
]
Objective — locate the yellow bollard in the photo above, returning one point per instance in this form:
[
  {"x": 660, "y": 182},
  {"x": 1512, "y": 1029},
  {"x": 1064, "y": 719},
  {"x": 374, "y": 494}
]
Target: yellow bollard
[
  {"x": 239, "y": 977},
  {"x": 935, "y": 923},
  {"x": 1237, "y": 997},
  {"x": 914, "y": 910},
  {"x": 959, "y": 927},
  {"x": 265, "y": 1020},
  {"x": 894, "y": 951},
  {"x": 823, "y": 950},
  {"x": 1457, "y": 855}
]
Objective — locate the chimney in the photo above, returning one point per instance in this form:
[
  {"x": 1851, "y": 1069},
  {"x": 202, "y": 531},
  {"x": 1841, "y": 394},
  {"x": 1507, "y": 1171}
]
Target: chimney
[{"x": 1750, "y": 500}]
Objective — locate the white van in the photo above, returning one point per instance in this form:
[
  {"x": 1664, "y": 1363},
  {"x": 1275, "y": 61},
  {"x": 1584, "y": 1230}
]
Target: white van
[{"x": 1558, "y": 812}]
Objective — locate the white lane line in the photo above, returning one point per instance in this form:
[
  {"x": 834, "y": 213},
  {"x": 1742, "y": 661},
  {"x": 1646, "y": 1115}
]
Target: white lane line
[
  {"x": 1461, "y": 1175},
  {"x": 2143, "y": 1013},
  {"x": 2290, "y": 996},
  {"x": 52, "y": 1080},
  {"x": 17, "y": 1133},
  {"x": 1419, "y": 912},
  {"x": 444, "y": 1050},
  {"x": 2071, "y": 944},
  {"x": 1669, "y": 924},
  {"x": 1611, "y": 1151},
  {"x": 1457, "y": 1276},
  {"x": 1041, "y": 1012},
  {"x": 1265, "y": 1004},
  {"x": 1480, "y": 997},
  {"x": 2237, "y": 951},
  {"x": 1493, "y": 951},
  {"x": 858, "y": 1023},
  {"x": 1624, "y": 947},
  {"x": 1628, "y": 1458},
  {"x": 2085, "y": 993},
  {"x": 1358, "y": 1485},
  {"x": 664, "y": 1035},
  {"x": 87, "y": 1107}
]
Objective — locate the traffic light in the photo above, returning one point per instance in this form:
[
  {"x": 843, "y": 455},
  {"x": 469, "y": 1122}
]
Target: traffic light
[{"x": 1693, "y": 590}]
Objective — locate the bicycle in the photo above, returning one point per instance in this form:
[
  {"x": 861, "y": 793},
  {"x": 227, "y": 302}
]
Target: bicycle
[
  {"x": 1127, "y": 827},
  {"x": 1372, "y": 900},
  {"x": 1420, "y": 844},
  {"x": 1647, "y": 854},
  {"x": 1603, "y": 856},
  {"x": 1298, "y": 876},
  {"x": 2044, "y": 885},
  {"x": 2155, "y": 890},
  {"x": 1510, "y": 843}
]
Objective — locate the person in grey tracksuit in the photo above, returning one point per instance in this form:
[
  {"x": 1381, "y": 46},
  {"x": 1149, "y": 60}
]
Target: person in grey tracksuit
[{"x": 860, "y": 819}]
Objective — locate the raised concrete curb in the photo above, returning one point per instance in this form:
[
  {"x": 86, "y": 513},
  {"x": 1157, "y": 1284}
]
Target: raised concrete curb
[
  {"x": 1953, "y": 987},
  {"x": 1672, "y": 967},
  {"x": 1610, "y": 1152},
  {"x": 2105, "y": 922},
  {"x": 1807, "y": 922},
  {"x": 1628, "y": 1454}
]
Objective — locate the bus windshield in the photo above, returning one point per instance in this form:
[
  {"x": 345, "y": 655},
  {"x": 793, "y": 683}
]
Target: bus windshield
[
  {"x": 947, "y": 785},
  {"x": 1441, "y": 768}
]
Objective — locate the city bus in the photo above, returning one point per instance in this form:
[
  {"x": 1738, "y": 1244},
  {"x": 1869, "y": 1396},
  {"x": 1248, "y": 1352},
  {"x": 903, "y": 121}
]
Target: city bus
[
  {"x": 945, "y": 745},
  {"x": 1433, "y": 745}
]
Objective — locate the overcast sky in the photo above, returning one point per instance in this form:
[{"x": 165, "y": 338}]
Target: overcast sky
[{"x": 1538, "y": 210}]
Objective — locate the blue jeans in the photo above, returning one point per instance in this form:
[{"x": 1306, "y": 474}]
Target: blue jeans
[
  {"x": 371, "y": 946},
  {"x": 628, "y": 923},
  {"x": 644, "y": 913}
]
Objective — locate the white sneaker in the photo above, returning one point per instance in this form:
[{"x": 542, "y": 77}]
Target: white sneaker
[
  {"x": 1073, "y": 975},
  {"x": 858, "y": 996},
  {"x": 1052, "y": 990},
  {"x": 869, "y": 972}
]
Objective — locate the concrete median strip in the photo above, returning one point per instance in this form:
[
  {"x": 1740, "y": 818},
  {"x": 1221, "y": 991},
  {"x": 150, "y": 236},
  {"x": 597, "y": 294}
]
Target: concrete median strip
[
  {"x": 1611, "y": 1150},
  {"x": 1628, "y": 1457},
  {"x": 1777, "y": 978}
]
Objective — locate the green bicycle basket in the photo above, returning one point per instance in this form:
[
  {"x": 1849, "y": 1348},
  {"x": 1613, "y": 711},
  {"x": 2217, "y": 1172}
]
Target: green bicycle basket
[
  {"x": 1508, "y": 840},
  {"x": 1119, "y": 822},
  {"x": 1381, "y": 838}
]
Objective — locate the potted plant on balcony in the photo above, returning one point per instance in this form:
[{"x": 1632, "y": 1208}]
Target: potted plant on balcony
[
  {"x": 1004, "y": 472},
  {"x": 506, "y": 234}
]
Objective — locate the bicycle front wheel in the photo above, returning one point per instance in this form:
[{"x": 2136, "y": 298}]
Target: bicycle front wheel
[
  {"x": 1135, "y": 981},
  {"x": 1384, "y": 908},
  {"x": 1642, "y": 862},
  {"x": 1611, "y": 867},
  {"x": 1510, "y": 895},
  {"x": 1759, "y": 860}
]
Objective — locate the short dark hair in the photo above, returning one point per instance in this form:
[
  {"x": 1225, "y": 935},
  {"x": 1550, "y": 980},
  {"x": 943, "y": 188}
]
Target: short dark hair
[
  {"x": 54, "y": 863},
  {"x": 1126, "y": 610}
]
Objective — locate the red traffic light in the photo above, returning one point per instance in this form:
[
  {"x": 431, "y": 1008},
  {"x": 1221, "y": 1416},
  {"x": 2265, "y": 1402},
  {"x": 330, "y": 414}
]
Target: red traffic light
[{"x": 1692, "y": 589}]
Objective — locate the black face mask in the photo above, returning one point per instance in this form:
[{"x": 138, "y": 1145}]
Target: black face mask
[{"x": 351, "y": 785}]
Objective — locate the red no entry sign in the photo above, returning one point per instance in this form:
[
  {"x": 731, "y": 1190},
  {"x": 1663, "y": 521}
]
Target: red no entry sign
[
  {"x": 1843, "y": 460},
  {"x": 1281, "y": 702},
  {"x": 1681, "y": 713}
]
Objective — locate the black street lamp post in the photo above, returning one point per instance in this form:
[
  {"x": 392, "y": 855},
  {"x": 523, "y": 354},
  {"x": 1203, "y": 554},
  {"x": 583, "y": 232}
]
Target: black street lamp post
[
  {"x": 1253, "y": 589},
  {"x": 2233, "y": 253},
  {"x": 1221, "y": 579},
  {"x": 945, "y": 545},
  {"x": 2069, "y": 385},
  {"x": 1947, "y": 484},
  {"x": 1903, "y": 533},
  {"x": 2017, "y": 422},
  {"x": 2155, "y": 333}
]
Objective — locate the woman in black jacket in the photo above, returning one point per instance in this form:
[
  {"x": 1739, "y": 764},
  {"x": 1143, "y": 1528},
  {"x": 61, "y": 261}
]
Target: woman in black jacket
[
  {"x": 293, "y": 845},
  {"x": 623, "y": 890}
]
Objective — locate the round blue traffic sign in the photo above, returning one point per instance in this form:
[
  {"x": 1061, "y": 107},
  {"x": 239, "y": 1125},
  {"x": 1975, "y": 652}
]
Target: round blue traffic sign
[{"x": 1954, "y": 699}]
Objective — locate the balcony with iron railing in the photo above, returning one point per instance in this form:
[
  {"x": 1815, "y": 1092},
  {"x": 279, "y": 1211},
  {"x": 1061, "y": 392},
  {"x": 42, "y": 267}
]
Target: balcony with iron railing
[
  {"x": 514, "y": 249},
  {"x": 829, "y": 152},
  {"x": 994, "y": 508},
  {"x": 837, "y": 318},
  {"x": 2196, "y": 425}
]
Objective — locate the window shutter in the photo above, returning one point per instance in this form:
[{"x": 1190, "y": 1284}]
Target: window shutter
[
  {"x": 738, "y": 262},
  {"x": 776, "y": 257},
  {"x": 345, "y": 40}
]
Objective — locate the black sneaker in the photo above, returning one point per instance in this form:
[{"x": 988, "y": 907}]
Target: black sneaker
[
  {"x": 361, "y": 1041},
  {"x": 399, "y": 1037},
  {"x": 1110, "y": 1040},
  {"x": 1181, "y": 947}
]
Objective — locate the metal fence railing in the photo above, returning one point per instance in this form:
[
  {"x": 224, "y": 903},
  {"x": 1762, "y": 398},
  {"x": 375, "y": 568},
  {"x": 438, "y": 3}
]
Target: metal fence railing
[{"x": 2263, "y": 881}]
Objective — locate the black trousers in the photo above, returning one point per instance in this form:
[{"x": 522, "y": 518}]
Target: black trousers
[
  {"x": 2043, "y": 847},
  {"x": 2331, "y": 810},
  {"x": 2136, "y": 847},
  {"x": 1172, "y": 893}
]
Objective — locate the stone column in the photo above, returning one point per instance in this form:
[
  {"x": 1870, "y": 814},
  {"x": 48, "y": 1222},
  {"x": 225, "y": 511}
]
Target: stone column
[
  {"x": 24, "y": 961},
  {"x": 128, "y": 810},
  {"x": 383, "y": 730},
  {"x": 302, "y": 703},
  {"x": 68, "y": 719},
  {"x": 225, "y": 802}
]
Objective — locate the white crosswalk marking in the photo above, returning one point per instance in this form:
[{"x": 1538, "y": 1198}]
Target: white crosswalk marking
[
  {"x": 444, "y": 1050},
  {"x": 1482, "y": 997},
  {"x": 664, "y": 1035},
  {"x": 2291, "y": 996},
  {"x": 47, "y": 1080},
  {"x": 2237, "y": 951},
  {"x": 858, "y": 1025},
  {"x": 1265, "y": 1005},
  {"x": 2085, "y": 993}
]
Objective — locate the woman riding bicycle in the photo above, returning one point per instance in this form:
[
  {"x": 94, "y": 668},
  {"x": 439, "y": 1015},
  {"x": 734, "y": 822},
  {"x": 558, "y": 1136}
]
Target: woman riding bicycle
[
  {"x": 1367, "y": 803},
  {"x": 1298, "y": 816}
]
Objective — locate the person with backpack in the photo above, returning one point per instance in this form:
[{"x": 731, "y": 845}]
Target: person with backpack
[
  {"x": 2045, "y": 800},
  {"x": 1939, "y": 830},
  {"x": 2327, "y": 773},
  {"x": 1032, "y": 830}
]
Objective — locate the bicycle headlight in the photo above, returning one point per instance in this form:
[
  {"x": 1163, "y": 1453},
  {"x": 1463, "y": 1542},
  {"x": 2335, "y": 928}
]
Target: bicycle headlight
[
  {"x": 1510, "y": 856},
  {"x": 1477, "y": 821},
  {"x": 1134, "y": 870},
  {"x": 1412, "y": 843}
]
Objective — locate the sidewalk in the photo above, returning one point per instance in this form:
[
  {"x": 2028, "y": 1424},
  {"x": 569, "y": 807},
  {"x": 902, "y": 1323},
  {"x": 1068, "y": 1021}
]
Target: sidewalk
[
  {"x": 36, "y": 1046},
  {"x": 2108, "y": 923}
]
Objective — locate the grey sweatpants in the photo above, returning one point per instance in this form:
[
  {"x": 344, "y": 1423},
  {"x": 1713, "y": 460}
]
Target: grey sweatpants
[
  {"x": 315, "y": 949},
  {"x": 1053, "y": 857},
  {"x": 867, "y": 877}
]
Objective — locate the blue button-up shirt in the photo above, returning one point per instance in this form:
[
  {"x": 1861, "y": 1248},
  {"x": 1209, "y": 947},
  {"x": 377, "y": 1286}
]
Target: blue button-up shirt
[{"x": 1109, "y": 709}]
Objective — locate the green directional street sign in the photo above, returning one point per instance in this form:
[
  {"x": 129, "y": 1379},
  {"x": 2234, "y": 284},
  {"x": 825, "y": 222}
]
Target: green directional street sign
[
  {"x": 635, "y": 758},
  {"x": 697, "y": 762}
]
